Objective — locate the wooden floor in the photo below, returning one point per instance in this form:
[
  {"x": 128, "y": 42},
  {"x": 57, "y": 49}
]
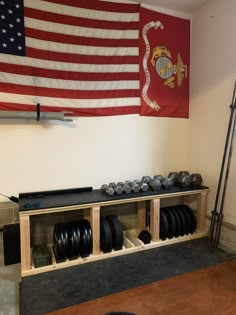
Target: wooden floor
[{"x": 209, "y": 291}]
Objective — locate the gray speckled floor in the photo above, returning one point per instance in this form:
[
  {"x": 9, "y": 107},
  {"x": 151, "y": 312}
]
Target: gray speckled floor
[
  {"x": 121, "y": 273},
  {"x": 61, "y": 288},
  {"x": 9, "y": 285}
]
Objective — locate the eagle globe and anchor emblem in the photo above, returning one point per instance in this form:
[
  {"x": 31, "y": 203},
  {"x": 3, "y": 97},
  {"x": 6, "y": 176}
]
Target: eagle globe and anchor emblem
[
  {"x": 165, "y": 68},
  {"x": 161, "y": 60}
]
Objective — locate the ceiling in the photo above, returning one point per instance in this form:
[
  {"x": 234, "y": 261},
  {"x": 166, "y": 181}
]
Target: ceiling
[{"x": 185, "y": 6}]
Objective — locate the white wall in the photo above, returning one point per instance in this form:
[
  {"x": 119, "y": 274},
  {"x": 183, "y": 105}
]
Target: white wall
[
  {"x": 91, "y": 152},
  {"x": 213, "y": 72}
]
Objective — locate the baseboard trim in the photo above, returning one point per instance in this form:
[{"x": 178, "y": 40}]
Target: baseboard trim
[
  {"x": 226, "y": 224},
  {"x": 227, "y": 236}
]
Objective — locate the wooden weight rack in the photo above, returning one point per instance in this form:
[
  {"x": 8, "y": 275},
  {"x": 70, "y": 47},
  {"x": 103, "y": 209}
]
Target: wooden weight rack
[{"x": 89, "y": 205}]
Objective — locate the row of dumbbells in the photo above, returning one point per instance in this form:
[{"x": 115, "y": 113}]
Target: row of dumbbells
[
  {"x": 184, "y": 179},
  {"x": 158, "y": 182},
  {"x": 126, "y": 187}
]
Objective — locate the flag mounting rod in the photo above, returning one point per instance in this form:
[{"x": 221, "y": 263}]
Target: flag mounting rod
[{"x": 37, "y": 115}]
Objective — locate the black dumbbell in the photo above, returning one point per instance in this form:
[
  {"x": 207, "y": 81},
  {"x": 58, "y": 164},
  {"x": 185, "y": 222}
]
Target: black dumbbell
[
  {"x": 174, "y": 176},
  {"x": 181, "y": 174},
  {"x": 185, "y": 181},
  {"x": 196, "y": 179},
  {"x": 168, "y": 182}
]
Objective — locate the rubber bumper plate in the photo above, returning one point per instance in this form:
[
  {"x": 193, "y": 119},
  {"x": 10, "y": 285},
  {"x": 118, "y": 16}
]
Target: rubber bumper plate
[
  {"x": 74, "y": 241},
  {"x": 87, "y": 225},
  {"x": 57, "y": 243},
  {"x": 116, "y": 231},
  {"x": 60, "y": 242},
  {"x": 145, "y": 237},
  {"x": 177, "y": 220},
  {"x": 188, "y": 219},
  {"x": 193, "y": 218},
  {"x": 163, "y": 225},
  {"x": 65, "y": 238},
  {"x": 183, "y": 221},
  {"x": 105, "y": 235},
  {"x": 84, "y": 240},
  {"x": 171, "y": 223}
]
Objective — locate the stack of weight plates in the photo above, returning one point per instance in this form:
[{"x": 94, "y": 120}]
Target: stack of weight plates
[
  {"x": 176, "y": 221},
  {"x": 111, "y": 233},
  {"x": 72, "y": 240}
]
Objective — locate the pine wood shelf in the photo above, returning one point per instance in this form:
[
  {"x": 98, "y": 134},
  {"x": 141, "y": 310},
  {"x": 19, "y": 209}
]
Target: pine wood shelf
[{"x": 92, "y": 210}]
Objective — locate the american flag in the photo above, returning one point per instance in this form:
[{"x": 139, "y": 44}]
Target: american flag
[{"x": 74, "y": 55}]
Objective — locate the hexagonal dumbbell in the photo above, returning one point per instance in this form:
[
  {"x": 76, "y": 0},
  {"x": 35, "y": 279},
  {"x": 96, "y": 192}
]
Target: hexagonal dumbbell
[
  {"x": 196, "y": 179},
  {"x": 112, "y": 184},
  {"x": 118, "y": 189},
  {"x": 155, "y": 184},
  {"x": 128, "y": 182},
  {"x": 159, "y": 177},
  {"x": 146, "y": 179},
  {"x": 109, "y": 190},
  {"x": 181, "y": 174},
  {"x": 136, "y": 186},
  {"x": 168, "y": 182},
  {"x": 174, "y": 176},
  {"x": 185, "y": 181},
  {"x": 144, "y": 187},
  {"x": 121, "y": 184},
  {"x": 127, "y": 189}
]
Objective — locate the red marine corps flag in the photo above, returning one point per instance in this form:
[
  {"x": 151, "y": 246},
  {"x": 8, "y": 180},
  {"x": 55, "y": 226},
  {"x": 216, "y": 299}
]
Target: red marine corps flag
[{"x": 164, "y": 64}]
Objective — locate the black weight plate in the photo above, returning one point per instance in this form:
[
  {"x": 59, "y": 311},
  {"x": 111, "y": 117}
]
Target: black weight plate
[
  {"x": 188, "y": 219},
  {"x": 177, "y": 220},
  {"x": 84, "y": 240},
  {"x": 117, "y": 231},
  {"x": 171, "y": 223},
  {"x": 64, "y": 233},
  {"x": 73, "y": 241},
  {"x": 193, "y": 218},
  {"x": 86, "y": 223},
  {"x": 88, "y": 240},
  {"x": 145, "y": 237},
  {"x": 77, "y": 240},
  {"x": 57, "y": 243},
  {"x": 105, "y": 235},
  {"x": 183, "y": 220},
  {"x": 163, "y": 225},
  {"x": 59, "y": 240}
]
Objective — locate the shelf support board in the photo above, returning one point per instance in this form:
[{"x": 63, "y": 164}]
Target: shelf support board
[
  {"x": 141, "y": 207},
  {"x": 25, "y": 243},
  {"x": 95, "y": 225},
  {"x": 201, "y": 211},
  {"x": 155, "y": 219}
]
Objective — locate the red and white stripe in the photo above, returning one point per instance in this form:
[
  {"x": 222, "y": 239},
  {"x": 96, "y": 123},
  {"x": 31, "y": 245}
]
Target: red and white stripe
[{"x": 82, "y": 56}]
